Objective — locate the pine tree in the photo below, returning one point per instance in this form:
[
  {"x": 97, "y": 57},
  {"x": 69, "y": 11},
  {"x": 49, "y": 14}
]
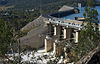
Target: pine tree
[
  {"x": 89, "y": 35},
  {"x": 6, "y": 38}
]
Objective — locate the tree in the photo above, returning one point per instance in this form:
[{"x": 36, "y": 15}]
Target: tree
[
  {"x": 89, "y": 35},
  {"x": 6, "y": 38}
]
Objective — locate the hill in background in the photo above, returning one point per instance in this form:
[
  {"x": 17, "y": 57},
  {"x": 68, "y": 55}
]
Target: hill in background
[
  {"x": 44, "y": 4},
  {"x": 24, "y": 4}
]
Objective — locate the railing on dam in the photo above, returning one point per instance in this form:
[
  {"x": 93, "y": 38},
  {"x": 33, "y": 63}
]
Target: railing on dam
[
  {"x": 73, "y": 25},
  {"x": 55, "y": 20}
]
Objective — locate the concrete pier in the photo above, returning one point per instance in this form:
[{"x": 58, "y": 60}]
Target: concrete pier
[
  {"x": 48, "y": 44},
  {"x": 76, "y": 36},
  {"x": 57, "y": 31},
  {"x": 57, "y": 49},
  {"x": 65, "y": 33}
]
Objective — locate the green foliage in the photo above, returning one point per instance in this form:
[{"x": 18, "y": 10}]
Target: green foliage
[
  {"x": 17, "y": 18},
  {"x": 25, "y": 4},
  {"x": 89, "y": 36},
  {"x": 6, "y": 37}
]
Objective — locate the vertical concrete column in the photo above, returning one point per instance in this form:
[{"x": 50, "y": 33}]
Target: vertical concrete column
[
  {"x": 58, "y": 32},
  {"x": 76, "y": 39},
  {"x": 65, "y": 52},
  {"x": 69, "y": 32},
  {"x": 45, "y": 45},
  {"x": 54, "y": 49},
  {"x": 55, "y": 30},
  {"x": 57, "y": 49},
  {"x": 50, "y": 29},
  {"x": 48, "y": 45},
  {"x": 65, "y": 33}
]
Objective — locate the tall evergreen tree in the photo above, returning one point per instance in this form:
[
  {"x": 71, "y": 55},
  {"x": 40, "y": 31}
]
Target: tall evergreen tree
[
  {"x": 89, "y": 35},
  {"x": 6, "y": 38}
]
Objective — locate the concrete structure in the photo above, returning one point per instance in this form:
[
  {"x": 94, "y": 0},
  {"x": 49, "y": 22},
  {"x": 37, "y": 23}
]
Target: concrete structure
[
  {"x": 76, "y": 38},
  {"x": 48, "y": 44},
  {"x": 63, "y": 30},
  {"x": 36, "y": 35},
  {"x": 59, "y": 31},
  {"x": 51, "y": 29},
  {"x": 58, "y": 49}
]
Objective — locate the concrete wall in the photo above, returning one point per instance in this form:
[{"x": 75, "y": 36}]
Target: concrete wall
[
  {"x": 58, "y": 49},
  {"x": 69, "y": 32},
  {"x": 57, "y": 31},
  {"x": 50, "y": 29},
  {"x": 48, "y": 44},
  {"x": 35, "y": 37}
]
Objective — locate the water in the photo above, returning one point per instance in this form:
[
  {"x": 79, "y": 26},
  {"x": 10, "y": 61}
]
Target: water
[{"x": 81, "y": 14}]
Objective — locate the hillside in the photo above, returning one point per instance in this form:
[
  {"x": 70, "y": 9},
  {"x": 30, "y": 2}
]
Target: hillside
[
  {"x": 25, "y": 4},
  {"x": 44, "y": 4},
  {"x": 98, "y": 2}
]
